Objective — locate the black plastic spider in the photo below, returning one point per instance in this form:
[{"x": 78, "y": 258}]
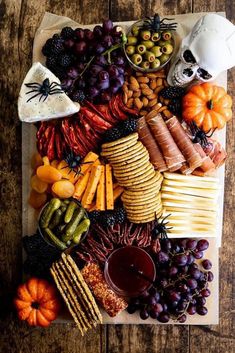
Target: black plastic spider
[
  {"x": 45, "y": 89},
  {"x": 74, "y": 163},
  {"x": 156, "y": 25},
  {"x": 199, "y": 136},
  {"x": 160, "y": 229}
]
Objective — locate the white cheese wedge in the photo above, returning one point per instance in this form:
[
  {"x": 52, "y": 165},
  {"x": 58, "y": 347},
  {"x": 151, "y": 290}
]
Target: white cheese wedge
[
  {"x": 189, "y": 198},
  {"x": 191, "y": 184},
  {"x": 184, "y": 211},
  {"x": 206, "y": 193},
  {"x": 57, "y": 105},
  {"x": 188, "y": 205},
  {"x": 176, "y": 176}
]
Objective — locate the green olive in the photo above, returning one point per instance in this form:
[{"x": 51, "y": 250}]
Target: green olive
[
  {"x": 167, "y": 48},
  {"x": 149, "y": 56},
  {"x": 141, "y": 49},
  {"x": 166, "y": 35},
  {"x": 131, "y": 40},
  {"x": 155, "y": 37},
  {"x": 130, "y": 49},
  {"x": 145, "y": 35},
  {"x": 147, "y": 43},
  {"x": 155, "y": 64},
  {"x": 161, "y": 43},
  {"x": 135, "y": 30},
  {"x": 157, "y": 51},
  {"x": 136, "y": 59},
  {"x": 163, "y": 58},
  {"x": 145, "y": 65}
]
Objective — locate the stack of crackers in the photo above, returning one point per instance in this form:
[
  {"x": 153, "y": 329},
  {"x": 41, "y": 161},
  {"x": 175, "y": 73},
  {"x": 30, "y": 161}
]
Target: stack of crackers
[
  {"x": 76, "y": 294},
  {"x": 133, "y": 170}
]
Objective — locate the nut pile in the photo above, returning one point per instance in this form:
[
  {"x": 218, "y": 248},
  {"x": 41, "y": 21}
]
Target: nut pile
[{"x": 141, "y": 91}]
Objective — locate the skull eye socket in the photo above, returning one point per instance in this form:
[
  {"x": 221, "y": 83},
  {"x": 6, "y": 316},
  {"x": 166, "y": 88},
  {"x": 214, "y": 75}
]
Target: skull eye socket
[
  {"x": 188, "y": 72},
  {"x": 188, "y": 57},
  {"x": 203, "y": 74}
]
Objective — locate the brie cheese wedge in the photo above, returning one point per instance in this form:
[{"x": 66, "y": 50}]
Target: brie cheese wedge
[{"x": 42, "y": 107}]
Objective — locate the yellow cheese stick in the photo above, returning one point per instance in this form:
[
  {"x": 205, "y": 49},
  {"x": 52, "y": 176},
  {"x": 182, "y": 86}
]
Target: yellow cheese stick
[
  {"x": 100, "y": 194},
  {"x": 89, "y": 193},
  {"x": 109, "y": 187},
  {"x": 117, "y": 192},
  {"x": 88, "y": 160},
  {"x": 81, "y": 185}
]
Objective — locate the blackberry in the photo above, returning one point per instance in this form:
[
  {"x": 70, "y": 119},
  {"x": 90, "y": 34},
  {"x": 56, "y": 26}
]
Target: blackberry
[
  {"x": 172, "y": 92},
  {"x": 56, "y": 47},
  {"x": 65, "y": 60},
  {"x": 175, "y": 106},
  {"x": 128, "y": 126},
  {"x": 112, "y": 134},
  {"x": 67, "y": 33},
  {"x": 46, "y": 49},
  {"x": 78, "y": 96},
  {"x": 51, "y": 63},
  {"x": 94, "y": 216},
  {"x": 107, "y": 219},
  {"x": 120, "y": 215}
]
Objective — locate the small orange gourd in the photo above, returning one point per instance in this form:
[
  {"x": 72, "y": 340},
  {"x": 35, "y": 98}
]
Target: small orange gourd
[
  {"x": 208, "y": 105},
  {"x": 37, "y": 302}
]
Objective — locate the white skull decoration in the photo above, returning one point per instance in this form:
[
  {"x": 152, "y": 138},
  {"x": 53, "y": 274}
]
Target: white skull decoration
[{"x": 207, "y": 50}]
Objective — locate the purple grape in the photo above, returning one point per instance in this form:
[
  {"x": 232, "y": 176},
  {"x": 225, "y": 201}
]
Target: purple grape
[
  {"x": 151, "y": 300},
  {"x": 191, "y": 309},
  {"x": 166, "y": 244},
  {"x": 164, "y": 305},
  {"x": 182, "y": 318},
  {"x": 195, "y": 273},
  {"x": 158, "y": 308},
  {"x": 182, "y": 305},
  {"x": 80, "y": 83},
  {"x": 192, "y": 283},
  {"x": 99, "y": 48},
  {"x": 163, "y": 317},
  {"x": 107, "y": 26},
  {"x": 79, "y": 33},
  {"x": 103, "y": 85},
  {"x": 100, "y": 60},
  {"x": 144, "y": 314},
  {"x": 80, "y": 48},
  {"x": 176, "y": 248},
  {"x": 98, "y": 31},
  {"x": 174, "y": 296},
  {"x": 119, "y": 60},
  {"x": 117, "y": 31},
  {"x": 191, "y": 259},
  {"x": 197, "y": 254},
  {"x": 80, "y": 67},
  {"x": 182, "y": 288},
  {"x": 73, "y": 72},
  {"x": 153, "y": 313},
  {"x": 131, "y": 309},
  {"x": 162, "y": 257},
  {"x": 105, "y": 97},
  {"x": 113, "y": 71},
  {"x": 202, "y": 284},
  {"x": 95, "y": 69},
  {"x": 103, "y": 75},
  {"x": 202, "y": 245},
  {"x": 93, "y": 92},
  {"x": 194, "y": 265},
  {"x": 193, "y": 301},
  {"x": 183, "y": 269},
  {"x": 173, "y": 270},
  {"x": 107, "y": 41},
  {"x": 201, "y": 301},
  {"x": 182, "y": 243},
  {"x": 206, "y": 264},
  {"x": 181, "y": 259},
  {"x": 135, "y": 301},
  {"x": 121, "y": 70},
  {"x": 205, "y": 292},
  {"x": 202, "y": 310},
  {"x": 163, "y": 282},
  {"x": 152, "y": 291},
  {"x": 210, "y": 276},
  {"x": 191, "y": 244},
  {"x": 89, "y": 35},
  {"x": 66, "y": 84},
  {"x": 69, "y": 43},
  {"x": 144, "y": 295},
  {"x": 92, "y": 81}
]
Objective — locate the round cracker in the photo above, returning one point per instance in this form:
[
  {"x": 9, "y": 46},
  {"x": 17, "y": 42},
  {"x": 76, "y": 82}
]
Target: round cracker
[
  {"x": 140, "y": 199},
  {"x": 138, "y": 170},
  {"x": 139, "y": 194},
  {"x": 135, "y": 174},
  {"x": 123, "y": 154},
  {"x": 131, "y": 166},
  {"x": 142, "y": 207},
  {"x": 119, "y": 151},
  {"x": 136, "y": 180},
  {"x": 120, "y": 141},
  {"x": 138, "y": 213},
  {"x": 145, "y": 185},
  {"x": 131, "y": 159},
  {"x": 150, "y": 218}
]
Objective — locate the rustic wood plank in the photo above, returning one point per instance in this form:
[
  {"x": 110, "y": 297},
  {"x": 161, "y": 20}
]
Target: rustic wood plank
[
  {"x": 19, "y": 20},
  {"x": 213, "y": 339}
]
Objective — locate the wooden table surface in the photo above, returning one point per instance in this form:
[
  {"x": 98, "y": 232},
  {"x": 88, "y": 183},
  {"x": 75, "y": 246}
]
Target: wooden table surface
[{"x": 19, "y": 20}]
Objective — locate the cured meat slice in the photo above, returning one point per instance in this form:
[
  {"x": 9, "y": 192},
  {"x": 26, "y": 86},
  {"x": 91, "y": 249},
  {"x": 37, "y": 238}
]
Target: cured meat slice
[
  {"x": 171, "y": 153},
  {"x": 184, "y": 143},
  {"x": 216, "y": 152},
  {"x": 207, "y": 163},
  {"x": 148, "y": 141}
]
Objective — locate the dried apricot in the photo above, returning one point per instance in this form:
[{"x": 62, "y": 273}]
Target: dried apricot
[
  {"x": 48, "y": 174},
  {"x": 63, "y": 189},
  {"x": 66, "y": 172},
  {"x": 38, "y": 185},
  {"x": 45, "y": 160},
  {"x": 54, "y": 163},
  {"x": 37, "y": 200},
  {"x": 36, "y": 161}
]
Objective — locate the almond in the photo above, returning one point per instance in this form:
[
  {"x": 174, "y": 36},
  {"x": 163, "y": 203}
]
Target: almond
[
  {"x": 158, "y": 89},
  {"x": 125, "y": 88},
  {"x": 137, "y": 94},
  {"x": 162, "y": 108},
  {"x": 152, "y": 102},
  {"x": 129, "y": 94},
  {"x": 152, "y": 96},
  {"x": 151, "y": 75},
  {"x": 143, "y": 85},
  {"x": 145, "y": 101},
  {"x": 134, "y": 87},
  {"x": 156, "y": 107},
  {"x": 153, "y": 84},
  {"x": 130, "y": 103},
  {"x": 147, "y": 91},
  {"x": 167, "y": 113},
  {"x": 143, "y": 112},
  {"x": 159, "y": 82},
  {"x": 161, "y": 74},
  {"x": 143, "y": 79},
  {"x": 138, "y": 74},
  {"x": 138, "y": 103},
  {"x": 133, "y": 81}
]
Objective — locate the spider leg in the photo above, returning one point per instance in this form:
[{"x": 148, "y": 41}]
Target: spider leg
[
  {"x": 166, "y": 19},
  {"x": 33, "y": 90},
  {"x": 165, "y": 218},
  {"x": 33, "y": 85},
  {"x": 33, "y": 97},
  {"x": 211, "y": 132},
  {"x": 44, "y": 98},
  {"x": 55, "y": 91}
]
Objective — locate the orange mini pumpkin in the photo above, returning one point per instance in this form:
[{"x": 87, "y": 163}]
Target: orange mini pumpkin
[
  {"x": 209, "y": 106},
  {"x": 37, "y": 302}
]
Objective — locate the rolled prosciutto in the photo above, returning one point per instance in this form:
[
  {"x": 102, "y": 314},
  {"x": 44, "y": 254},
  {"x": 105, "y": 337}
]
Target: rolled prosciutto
[
  {"x": 207, "y": 164},
  {"x": 171, "y": 153},
  {"x": 216, "y": 152},
  {"x": 184, "y": 143},
  {"x": 148, "y": 141}
]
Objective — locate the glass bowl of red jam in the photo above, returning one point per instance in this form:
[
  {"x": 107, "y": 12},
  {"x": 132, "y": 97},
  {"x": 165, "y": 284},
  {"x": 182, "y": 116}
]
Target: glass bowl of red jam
[{"x": 129, "y": 271}]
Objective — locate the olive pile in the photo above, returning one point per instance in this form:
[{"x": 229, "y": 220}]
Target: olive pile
[
  {"x": 63, "y": 222},
  {"x": 149, "y": 50}
]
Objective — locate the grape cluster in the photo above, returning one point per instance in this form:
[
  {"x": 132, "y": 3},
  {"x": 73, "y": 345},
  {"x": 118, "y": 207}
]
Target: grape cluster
[
  {"x": 89, "y": 63},
  {"x": 181, "y": 284}
]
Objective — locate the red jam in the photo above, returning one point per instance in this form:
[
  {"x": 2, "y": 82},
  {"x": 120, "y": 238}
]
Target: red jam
[{"x": 123, "y": 271}]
